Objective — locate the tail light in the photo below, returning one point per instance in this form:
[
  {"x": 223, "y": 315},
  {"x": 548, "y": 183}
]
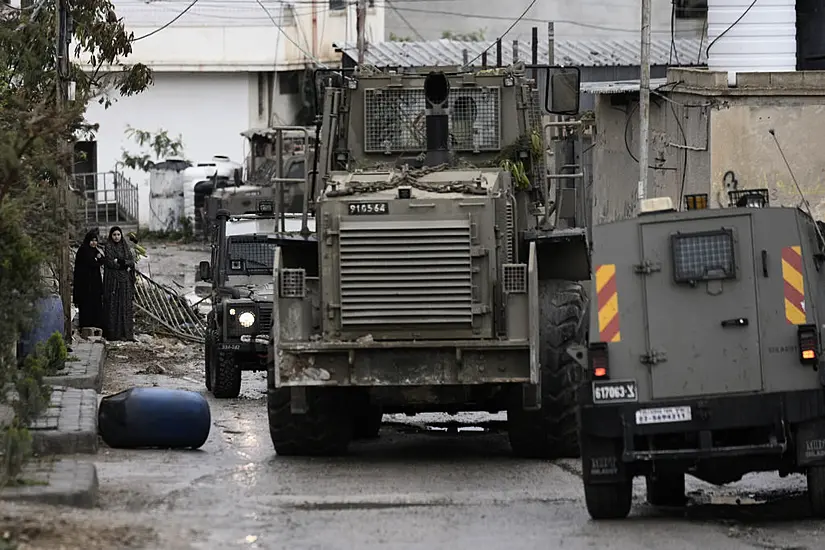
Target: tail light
[
  {"x": 599, "y": 364},
  {"x": 808, "y": 339}
]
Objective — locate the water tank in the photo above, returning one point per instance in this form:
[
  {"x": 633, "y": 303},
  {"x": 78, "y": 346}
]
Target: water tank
[{"x": 763, "y": 40}]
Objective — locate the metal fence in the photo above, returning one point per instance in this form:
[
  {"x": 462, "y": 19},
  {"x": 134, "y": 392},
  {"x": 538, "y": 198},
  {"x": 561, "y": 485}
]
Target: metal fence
[{"x": 110, "y": 198}]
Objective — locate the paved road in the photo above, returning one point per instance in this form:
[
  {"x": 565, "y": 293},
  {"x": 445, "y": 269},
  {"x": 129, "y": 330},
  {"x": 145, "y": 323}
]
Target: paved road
[{"x": 414, "y": 487}]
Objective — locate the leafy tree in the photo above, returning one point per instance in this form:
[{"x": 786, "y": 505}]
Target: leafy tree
[
  {"x": 35, "y": 154},
  {"x": 159, "y": 144},
  {"x": 396, "y": 38},
  {"x": 473, "y": 36}
]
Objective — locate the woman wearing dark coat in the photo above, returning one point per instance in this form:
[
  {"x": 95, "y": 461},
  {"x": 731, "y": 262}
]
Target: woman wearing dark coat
[
  {"x": 87, "y": 284},
  {"x": 118, "y": 288}
]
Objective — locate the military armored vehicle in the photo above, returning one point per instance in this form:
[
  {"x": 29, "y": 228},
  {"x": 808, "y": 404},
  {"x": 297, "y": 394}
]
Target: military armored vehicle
[
  {"x": 240, "y": 273},
  {"x": 441, "y": 287},
  {"x": 276, "y": 174},
  {"x": 704, "y": 353}
]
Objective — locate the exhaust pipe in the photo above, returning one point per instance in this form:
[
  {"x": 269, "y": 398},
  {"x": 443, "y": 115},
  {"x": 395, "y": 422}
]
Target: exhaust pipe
[{"x": 437, "y": 94}]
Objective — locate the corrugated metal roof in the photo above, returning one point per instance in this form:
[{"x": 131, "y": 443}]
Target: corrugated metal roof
[
  {"x": 619, "y": 86},
  {"x": 578, "y": 53}
]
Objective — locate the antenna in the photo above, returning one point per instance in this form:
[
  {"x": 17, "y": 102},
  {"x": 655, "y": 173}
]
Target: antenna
[{"x": 798, "y": 188}]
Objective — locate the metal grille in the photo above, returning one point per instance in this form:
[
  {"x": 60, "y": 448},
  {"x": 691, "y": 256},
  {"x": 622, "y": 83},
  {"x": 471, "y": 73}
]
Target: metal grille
[
  {"x": 535, "y": 123},
  {"x": 703, "y": 256},
  {"x": 264, "y": 318},
  {"x": 406, "y": 273},
  {"x": 293, "y": 283},
  {"x": 250, "y": 255},
  {"x": 514, "y": 277},
  {"x": 395, "y": 121}
]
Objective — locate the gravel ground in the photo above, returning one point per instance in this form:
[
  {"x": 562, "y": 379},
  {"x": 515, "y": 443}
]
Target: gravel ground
[{"x": 429, "y": 481}]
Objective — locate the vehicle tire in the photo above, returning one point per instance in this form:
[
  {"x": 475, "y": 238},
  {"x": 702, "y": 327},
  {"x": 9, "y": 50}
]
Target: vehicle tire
[
  {"x": 552, "y": 431},
  {"x": 608, "y": 500},
  {"x": 666, "y": 489},
  {"x": 816, "y": 490},
  {"x": 226, "y": 376},
  {"x": 325, "y": 429},
  {"x": 209, "y": 353},
  {"x": 366, "y": 422}
]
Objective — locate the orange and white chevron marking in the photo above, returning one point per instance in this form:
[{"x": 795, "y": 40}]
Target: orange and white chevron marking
[
  {"x": 794, "y": 285},
  {"x": 607, "y": 300}
]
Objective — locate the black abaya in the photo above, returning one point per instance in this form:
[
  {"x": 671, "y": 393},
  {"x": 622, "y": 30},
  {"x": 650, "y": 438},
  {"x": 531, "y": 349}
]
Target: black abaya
[
  {"x": 118, "y": 290},
  {"x": 87, "y": 284}
]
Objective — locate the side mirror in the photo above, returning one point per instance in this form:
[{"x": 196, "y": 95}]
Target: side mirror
[
  {"x": 238, "y": 179},
  {"x": 562, "y": 89},
  {"x": 204, "y": 271}
]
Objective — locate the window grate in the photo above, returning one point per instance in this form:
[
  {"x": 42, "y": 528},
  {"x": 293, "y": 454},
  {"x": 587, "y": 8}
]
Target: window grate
[
  {"x": 703, "y": 256},
  {"x": 515, "y": 278},
  {"x": 250, "y": 255}
]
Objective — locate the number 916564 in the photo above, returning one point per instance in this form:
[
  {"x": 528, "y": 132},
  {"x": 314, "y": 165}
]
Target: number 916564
[{"x": 367, "y": 208}]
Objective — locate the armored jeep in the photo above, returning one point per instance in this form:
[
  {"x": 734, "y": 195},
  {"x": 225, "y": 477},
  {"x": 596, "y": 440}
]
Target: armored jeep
[
  {"x": 239, "y": 324},
  {"x": 704, "y": 353},
  {"x": 448, "y": 280}
]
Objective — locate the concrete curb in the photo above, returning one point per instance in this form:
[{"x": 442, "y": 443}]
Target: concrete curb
[
  {"x": 87, "y": 372},
  {"x": 69, "y": 426},
  {"x": 61, "y": 482}
]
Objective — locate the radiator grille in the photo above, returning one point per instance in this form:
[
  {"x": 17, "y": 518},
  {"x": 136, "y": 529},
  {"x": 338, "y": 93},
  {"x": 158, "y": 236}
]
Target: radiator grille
[{"x": 406, "y": 273}]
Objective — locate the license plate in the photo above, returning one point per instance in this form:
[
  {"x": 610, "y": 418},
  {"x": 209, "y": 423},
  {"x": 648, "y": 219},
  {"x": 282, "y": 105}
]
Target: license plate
[
  {"x": 614, "y": 391},
  {"x": 663, "y": 415},
  {"x": 368, "y": 208}
]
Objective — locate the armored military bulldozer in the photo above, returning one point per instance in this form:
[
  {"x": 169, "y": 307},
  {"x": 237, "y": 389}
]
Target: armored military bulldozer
[
  {"x": 705, "y": 352},
  {"x": 275, "y": 182},
  {"x": 445, "y": 282}
]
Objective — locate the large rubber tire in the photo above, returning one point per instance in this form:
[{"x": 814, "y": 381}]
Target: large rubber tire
[
  {"x": 552, "y": 431},
  {"x": 366, "y": 422},
  {"x": 226, "y": 376},
  {"x": 209, "y": 354},
  {"x": 666, "y": 489},
  {"x": 816, "y": 490},
  {"x": 608, "y": 501},
  {"x": 325, "y": 429}
]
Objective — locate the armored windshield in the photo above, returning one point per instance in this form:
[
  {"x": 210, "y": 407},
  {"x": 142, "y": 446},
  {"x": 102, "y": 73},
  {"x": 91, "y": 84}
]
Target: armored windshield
[{"x": 249, "y": 256}]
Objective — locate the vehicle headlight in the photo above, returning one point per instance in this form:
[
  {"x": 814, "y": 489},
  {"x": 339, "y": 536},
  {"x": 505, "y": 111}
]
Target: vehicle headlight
[{"x": 246, "y": 319}]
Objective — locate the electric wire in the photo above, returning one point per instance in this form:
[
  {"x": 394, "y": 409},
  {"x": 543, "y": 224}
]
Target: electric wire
[
  {"x": 724, "y": 32},
  {"x": 311, "y": 57},
  {"x": 513, "y": 24},
  {"x": 391, "y": 4},
  {"x": 169, "y": 24}
]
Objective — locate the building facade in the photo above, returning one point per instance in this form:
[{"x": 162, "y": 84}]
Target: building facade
[{"x": 219, "y": 69}]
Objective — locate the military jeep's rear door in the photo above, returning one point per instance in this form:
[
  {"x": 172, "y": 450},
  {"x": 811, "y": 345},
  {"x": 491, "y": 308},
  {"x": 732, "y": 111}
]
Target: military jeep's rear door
[{"x": 703, "y": 334}]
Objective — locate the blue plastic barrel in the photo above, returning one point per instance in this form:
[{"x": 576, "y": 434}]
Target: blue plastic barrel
[
  {"x": 49, "y": 320},
  {"x": 154, "y": 418}
]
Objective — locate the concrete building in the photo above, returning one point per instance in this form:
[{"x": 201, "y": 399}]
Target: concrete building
[
  {"x": 219, "y": 69},
  {"x": 709, "y": 129},
  {"x": 580, "y": 19},
  {"x": 710, "y": 137}
]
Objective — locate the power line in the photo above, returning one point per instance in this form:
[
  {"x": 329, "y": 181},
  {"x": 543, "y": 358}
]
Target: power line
[
  {"x": 285, "y": 35},
  {"x": 167, "y": 25},
  {"x": 514, "y": 23},
  {"x": 404, "y": 19}
]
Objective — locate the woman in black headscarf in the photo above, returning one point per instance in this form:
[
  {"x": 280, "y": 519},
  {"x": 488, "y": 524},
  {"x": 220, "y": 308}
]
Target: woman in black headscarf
[
  {"x": 87, "y": 284},
  {"x": 118, "y": 288}
]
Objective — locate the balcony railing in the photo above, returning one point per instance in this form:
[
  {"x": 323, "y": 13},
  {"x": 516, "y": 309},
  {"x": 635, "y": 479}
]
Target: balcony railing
[{"x": 110, "y": 199}]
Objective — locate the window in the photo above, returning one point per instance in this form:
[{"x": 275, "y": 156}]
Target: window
[
  {"x": 289, "y": 82},
  {"x": 250, "y": 255},
  {"x": 703, "y": 256},
  {"x": 691, "y": 9},
  {"x": 337, "y": 4}
]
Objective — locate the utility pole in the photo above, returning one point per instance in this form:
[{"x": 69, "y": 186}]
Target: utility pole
[
  {"x": 61, "y": 69},
  {"x": 644, "y": 103},
  {"x": 360, "y": 25}
]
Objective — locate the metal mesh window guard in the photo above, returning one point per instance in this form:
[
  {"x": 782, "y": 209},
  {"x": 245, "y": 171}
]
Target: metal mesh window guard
[
  {"x": 395, "y": 120},
  {"x": 704, "y": 256},
  {"x": 250, "y": 255}
]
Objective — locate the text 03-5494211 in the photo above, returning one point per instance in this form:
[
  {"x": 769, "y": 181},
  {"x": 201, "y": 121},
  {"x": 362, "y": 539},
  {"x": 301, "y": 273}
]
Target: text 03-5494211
[
  {"x": 367, "y": 208},
  {"x": 615, "y": 391}
]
